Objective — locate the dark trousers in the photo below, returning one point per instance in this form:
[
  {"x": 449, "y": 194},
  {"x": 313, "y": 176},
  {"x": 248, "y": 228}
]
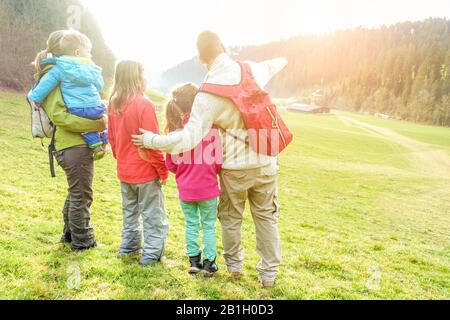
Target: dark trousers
[{"x": 78, "y": 164}]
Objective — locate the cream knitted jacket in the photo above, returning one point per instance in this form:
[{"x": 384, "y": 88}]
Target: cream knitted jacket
[{"x": 209, "y": 110}]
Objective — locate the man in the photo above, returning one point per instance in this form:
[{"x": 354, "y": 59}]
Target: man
[{"x": 245, "y": 174}]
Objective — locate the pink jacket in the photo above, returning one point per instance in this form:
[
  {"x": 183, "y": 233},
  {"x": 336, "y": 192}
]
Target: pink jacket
[{"x": 196, "y": 171}]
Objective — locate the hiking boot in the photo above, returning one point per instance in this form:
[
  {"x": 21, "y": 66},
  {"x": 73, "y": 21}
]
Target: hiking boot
[
  {"x": 104, "y": 137},
  {"x": 81, "y": 249},
  {"x": 236, "y": 275},
  {"x": 99, "y": 152},
  {"x": 267, "y": 284},
  {"x": 146, "y": 263},
  {"x": 66, "y": 239},
  {"x": 209, "y": 268},
  {"x": 132, "y": 254},
  {"x": 196, "y": 264},
  {"x": 150, "y": 262}
]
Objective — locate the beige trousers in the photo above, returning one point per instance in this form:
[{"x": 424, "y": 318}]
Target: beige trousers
[{"x": 259, "y": 186}]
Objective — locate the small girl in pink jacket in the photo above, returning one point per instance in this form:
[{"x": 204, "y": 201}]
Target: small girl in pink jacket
[{"x": 196, "y": 176}]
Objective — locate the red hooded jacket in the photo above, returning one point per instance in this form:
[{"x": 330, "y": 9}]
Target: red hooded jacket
[{"x": 135, "y": 166}]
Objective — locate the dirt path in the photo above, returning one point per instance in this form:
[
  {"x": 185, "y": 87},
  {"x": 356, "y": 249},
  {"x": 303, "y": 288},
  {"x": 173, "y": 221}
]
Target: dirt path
[{"x": 432, "y": 160}]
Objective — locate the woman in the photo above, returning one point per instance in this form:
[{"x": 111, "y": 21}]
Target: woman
[{"x": 73, "y": 155}]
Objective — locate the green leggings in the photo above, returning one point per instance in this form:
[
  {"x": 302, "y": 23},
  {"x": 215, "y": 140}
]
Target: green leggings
[{"x": 204, "y": 214}]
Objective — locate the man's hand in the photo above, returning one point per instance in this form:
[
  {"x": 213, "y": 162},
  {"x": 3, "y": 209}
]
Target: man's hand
[{"x": 138, "y": 140}]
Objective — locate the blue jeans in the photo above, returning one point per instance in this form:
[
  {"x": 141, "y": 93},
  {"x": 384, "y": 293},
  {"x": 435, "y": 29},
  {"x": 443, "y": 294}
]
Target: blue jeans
[{"x": 144, "y": 202}]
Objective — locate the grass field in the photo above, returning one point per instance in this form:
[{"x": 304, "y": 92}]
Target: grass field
[{"x": 365, "y": 215}]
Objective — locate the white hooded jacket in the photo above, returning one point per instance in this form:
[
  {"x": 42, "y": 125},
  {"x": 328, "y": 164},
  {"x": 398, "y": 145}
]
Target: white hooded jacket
[{"x": 209, "y": 110}]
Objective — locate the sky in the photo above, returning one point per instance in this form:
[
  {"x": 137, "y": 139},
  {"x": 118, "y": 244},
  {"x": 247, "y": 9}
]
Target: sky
[{"x": 163, "y": 33}]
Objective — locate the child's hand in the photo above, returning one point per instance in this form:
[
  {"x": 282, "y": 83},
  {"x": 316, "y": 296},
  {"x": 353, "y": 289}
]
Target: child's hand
[{"x": 164, "y": 182}]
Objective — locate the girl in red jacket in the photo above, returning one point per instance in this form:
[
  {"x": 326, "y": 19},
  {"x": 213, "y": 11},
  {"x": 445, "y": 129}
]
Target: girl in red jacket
[{"x": 141, "y": 172}]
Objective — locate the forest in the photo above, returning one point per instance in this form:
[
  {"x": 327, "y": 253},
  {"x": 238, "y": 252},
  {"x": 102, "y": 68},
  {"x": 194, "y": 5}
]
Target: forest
[
  {"x": 400, "y": 70},
  {"x": 24, "y": 28}
]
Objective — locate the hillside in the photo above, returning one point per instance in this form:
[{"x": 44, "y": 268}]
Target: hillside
[
  {"x": 402, "y": 70},
  {"x": 24, "y": 28},
  {"x": 187, "y": 71},
  {"x": 365, "y": 215}
]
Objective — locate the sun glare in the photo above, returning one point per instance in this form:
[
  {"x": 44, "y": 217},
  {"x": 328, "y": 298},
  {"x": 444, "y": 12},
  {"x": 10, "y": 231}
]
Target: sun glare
[{"x": 162, "y": 33}]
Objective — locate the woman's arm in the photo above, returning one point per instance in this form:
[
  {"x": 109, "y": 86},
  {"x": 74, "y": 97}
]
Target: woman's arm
[
  {"x": 197, "y": 128},
  {"x": 203, "y": 115},
  {"x": 59, "y": 115}
]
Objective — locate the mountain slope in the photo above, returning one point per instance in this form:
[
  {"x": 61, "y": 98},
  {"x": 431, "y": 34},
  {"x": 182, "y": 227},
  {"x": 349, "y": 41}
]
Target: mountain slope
[
  {"x": 187, "y": 71},
  {"x": 402, "y": 70}
]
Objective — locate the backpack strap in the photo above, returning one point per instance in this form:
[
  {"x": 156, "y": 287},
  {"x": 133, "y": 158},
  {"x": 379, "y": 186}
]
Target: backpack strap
[
  {"x": 224, "y": 91},
  {"x": 246, "y": 140},
  {"x": 51, "y": 151},
  {"x": 230, "y": 92}
]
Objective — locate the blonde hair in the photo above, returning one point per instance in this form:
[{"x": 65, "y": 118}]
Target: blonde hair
[
  {"x": 129, "y": 82},
  {"x": 73, "y": 40},
  {"x": 53, "y": 47},
  {"x": 180, "y": 106}
]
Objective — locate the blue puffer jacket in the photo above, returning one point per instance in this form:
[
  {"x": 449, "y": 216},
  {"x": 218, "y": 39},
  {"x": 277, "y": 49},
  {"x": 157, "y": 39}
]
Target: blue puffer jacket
[{"x": 81, "y": 81}]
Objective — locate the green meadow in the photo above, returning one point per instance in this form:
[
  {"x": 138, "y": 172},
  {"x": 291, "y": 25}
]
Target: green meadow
[{"x": 365, "y": 215}]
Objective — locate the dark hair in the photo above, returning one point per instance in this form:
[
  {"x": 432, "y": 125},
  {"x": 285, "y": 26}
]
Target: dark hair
[
  {"x": 209, "y": 45},
  {"x": 180, "y": 106}
]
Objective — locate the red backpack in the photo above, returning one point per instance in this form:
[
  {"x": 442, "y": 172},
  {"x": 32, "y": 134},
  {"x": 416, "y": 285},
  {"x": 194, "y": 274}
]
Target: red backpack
[{"x": 267, "y": 132}]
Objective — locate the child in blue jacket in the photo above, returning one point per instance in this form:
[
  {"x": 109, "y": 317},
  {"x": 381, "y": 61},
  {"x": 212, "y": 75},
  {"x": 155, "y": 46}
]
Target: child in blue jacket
[{"x": 81, "y": 82}]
